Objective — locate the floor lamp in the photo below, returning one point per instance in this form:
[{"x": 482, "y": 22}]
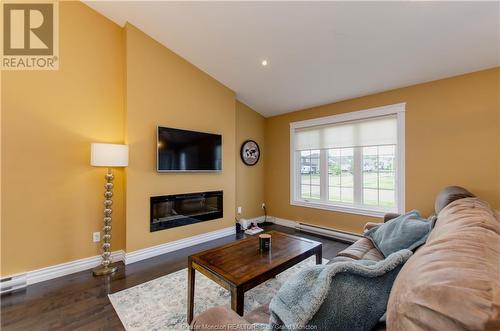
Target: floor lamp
[{"x": 110, "y": 156}]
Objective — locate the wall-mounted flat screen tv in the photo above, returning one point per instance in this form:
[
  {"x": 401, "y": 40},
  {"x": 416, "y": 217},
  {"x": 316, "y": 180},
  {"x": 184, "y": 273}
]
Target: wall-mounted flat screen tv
[{"x": 183, "y": 150}]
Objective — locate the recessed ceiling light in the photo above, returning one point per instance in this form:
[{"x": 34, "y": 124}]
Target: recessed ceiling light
[{"x": 264, "y": 63}]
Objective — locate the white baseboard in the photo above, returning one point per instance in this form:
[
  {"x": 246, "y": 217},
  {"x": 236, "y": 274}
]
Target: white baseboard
[
  {"x": 64, "y": 269},
  {"x": 284, "y": 222},
  {"x": 149, "y": 252},
  {"x": 21, "y": 280},
  {"x": 13, "y": 283},
  {"x": 329, "y": 232}
]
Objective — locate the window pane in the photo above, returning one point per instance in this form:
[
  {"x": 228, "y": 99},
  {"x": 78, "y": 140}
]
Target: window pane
[
  {"x": 305, "y": 163},
  {"x": 387, "y": 150},
  {"x": 305, "y": 179},
  {"x": 334, "y": 167},
  {"x": 369, "y": 163},
  {"x": 379, "y": 175},
  {"x": 386, "y": 180},
  {"x": 334, "y": 180},
  {"x": 346, "y": 162},
  {"x": 334, "y": 193},
  {"x": 386, "y": 157},
  {"x": 315, "y": 153},
  {"x": 370, "y": 197},
  {"x": 310, "y": 174},
  {"x": 315, "y": 179},
  {"x": 372, "y": 150},
  {"x": 386, "y": 163},
  {"x": 346, "y": 179},
  {"x": 334, "y": 164},
  {"x": 370, "y": 159},
  {"x": 346, "y": 194},
  {"x": 387, "y": 198},
  {"x": 335, "y": 152},
  {"x": 315, "y": 192},
  {"x": 370, "y": 180},
  {"x": 314, "y": 164},
  {"x": 346, "y": 151},
  {"x": 305, "y": 153},
  {"x": 305, "y": 191}
]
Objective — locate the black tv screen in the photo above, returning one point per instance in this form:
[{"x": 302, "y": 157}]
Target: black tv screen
[{"x": 183, "y": 150}]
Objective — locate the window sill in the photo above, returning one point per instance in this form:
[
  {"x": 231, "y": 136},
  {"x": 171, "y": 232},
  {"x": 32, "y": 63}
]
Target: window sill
[{"x": 341, "y": 209}]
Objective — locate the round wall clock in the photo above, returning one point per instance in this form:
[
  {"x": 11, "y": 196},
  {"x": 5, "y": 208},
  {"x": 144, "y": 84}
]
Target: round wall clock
[{"x": 250, "y": 152}]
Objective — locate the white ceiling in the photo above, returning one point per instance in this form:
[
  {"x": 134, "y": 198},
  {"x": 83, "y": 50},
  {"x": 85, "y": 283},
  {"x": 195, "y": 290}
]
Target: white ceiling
[{"x": 319, "y": 52}]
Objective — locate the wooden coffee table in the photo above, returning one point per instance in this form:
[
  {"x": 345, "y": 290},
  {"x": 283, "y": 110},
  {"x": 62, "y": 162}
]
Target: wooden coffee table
[{"x": 240, "y": 266}]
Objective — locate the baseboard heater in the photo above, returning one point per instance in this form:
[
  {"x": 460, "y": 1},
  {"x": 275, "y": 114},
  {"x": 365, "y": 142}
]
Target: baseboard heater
[
  {"x": 329, "y": 232},
  {"x": 13, "y": 283}
]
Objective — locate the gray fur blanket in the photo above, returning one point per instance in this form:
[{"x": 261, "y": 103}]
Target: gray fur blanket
[{"x": 301, "y": 297}]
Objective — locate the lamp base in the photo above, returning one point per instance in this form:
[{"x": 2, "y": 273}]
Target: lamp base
[{"x": 102, "y": 270}]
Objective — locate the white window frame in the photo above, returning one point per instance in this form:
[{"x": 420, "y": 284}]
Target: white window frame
[{"x": 295, "y": 199}]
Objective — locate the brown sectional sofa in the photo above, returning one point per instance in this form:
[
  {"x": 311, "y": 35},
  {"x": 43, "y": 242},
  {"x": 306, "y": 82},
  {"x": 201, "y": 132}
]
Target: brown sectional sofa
[
  {"x": 450, "y": 283},
  {"x": 453, "y": 281}
]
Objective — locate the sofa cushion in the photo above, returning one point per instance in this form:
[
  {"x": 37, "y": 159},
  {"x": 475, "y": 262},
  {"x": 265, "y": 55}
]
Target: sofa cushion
[
  {"x": 453, "y": 281},
  {"x": 219, "y": 318},
  {"x": 407, "y": 231},
  {"x": 363, "y": 249},
  {"x": 258, "y": 315}
]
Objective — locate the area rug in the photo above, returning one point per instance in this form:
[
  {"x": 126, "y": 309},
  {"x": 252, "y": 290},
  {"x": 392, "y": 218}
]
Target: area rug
[{"x": 160, "y": 304}]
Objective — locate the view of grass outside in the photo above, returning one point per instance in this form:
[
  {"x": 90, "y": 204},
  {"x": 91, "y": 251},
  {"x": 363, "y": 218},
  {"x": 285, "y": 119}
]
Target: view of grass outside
[
  {"x": 378, "y": 175},
  {"x": 311, "y": 188},
  {"x": 382, "y": 195},
  {"x": 310, "y": 169}
]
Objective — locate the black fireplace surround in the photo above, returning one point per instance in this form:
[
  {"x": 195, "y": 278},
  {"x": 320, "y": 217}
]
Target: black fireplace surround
[{"x": 169, "y": 211}]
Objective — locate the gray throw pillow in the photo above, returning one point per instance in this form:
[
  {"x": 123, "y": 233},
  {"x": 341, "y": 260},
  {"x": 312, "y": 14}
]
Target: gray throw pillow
[{"x": 407, "y": 231}]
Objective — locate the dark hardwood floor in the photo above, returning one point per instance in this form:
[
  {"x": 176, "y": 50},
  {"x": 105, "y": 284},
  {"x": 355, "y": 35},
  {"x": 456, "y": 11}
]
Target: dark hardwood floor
[{"x": 80, "y": 301}]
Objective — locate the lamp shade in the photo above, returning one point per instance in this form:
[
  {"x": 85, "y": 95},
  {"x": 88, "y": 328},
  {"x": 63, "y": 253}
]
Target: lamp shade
[{"x": 108, "y": 155}]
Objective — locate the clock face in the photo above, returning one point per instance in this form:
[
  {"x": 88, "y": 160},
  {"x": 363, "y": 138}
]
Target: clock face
[{"x": 250, "y": 152}]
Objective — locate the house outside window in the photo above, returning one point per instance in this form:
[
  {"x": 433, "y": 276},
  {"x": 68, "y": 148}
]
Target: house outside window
[{"x": 352, "y": 162}]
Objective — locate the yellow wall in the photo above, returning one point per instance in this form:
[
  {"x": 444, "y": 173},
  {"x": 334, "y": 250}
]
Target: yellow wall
[
  {"x": 116, "y": 85},
  {"x": 52, "y": 199},
  {"x": 452, "y": 138},
  {"x": 164, "y": 89},
  {"x": 113, "y": 85},
  {"x": 249, "y": 179}
]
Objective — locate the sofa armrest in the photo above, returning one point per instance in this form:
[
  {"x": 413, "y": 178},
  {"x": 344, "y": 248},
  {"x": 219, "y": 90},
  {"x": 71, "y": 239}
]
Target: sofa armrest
[
  {"x": 219, "y": 318},
  {"x": 387, "y": 217},
  {"x": 390, "y": 216},
  {"x": 370, "y": 225}
]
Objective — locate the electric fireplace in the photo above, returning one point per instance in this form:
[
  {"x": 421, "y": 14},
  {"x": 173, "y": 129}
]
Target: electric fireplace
[{"x": 169, "y": 211}]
